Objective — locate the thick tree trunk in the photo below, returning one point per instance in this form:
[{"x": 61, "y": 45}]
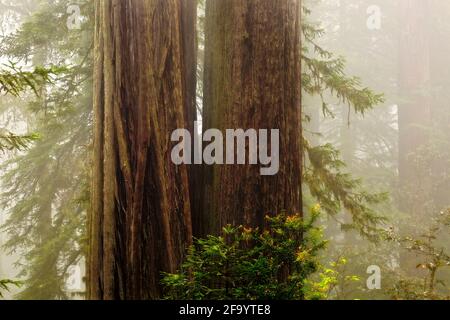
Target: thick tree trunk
[
  {"x": 252, "y": 81},
  {"x": 414, "y": 113},
  {"x": 440, "y": 108},
  {"x": 140, "y": 222}
]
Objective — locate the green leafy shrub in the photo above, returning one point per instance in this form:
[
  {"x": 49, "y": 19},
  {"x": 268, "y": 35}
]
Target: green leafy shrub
[
  {"x": 253, "y": 264},
  {"x": 331, "y": 281}
]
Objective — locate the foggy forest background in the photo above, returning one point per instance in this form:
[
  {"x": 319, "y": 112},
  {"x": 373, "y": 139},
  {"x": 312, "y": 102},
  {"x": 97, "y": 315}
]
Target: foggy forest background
[{"x": 376, "y": 147}]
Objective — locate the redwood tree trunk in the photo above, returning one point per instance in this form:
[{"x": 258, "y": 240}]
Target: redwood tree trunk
[
  {"x": 414, "y": 115},
  {"x": 140, "y": 221},
  {"x": 414, "y": 112},
  {"x": 440, "y": 108},
  {"x": 252, "y": 81}
]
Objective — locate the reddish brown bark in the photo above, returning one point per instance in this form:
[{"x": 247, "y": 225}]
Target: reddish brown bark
[
  {"x": 140, "y": 222},
  {"x": 252, "y": 80}
]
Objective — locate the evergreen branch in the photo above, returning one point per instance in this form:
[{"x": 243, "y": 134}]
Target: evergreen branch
[
  {"x": 10, "y": 141},
  {"x": 326, "y": 73},
  {"x": 335, "y": 190},
  {"x": 6, "y": 284},
  {"x": 13, "y": 80}
]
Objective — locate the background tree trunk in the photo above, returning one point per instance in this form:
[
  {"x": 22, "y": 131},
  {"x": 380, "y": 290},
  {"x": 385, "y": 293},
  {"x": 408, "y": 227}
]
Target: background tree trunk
[
  {"x": 440, "y": 108},
  {"x": 252, "y": 81},
  {"x": 414, "y": 120},
  {"x": 414, "y": 112},
  {"x": 140, "y": 222}
]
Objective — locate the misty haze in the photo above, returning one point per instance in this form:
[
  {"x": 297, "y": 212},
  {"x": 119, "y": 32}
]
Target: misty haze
[{"x": 119, "y": 180}]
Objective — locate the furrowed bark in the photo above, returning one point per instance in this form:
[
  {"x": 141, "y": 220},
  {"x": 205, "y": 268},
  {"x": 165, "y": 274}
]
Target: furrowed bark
[{"x": 252, "y": 80}]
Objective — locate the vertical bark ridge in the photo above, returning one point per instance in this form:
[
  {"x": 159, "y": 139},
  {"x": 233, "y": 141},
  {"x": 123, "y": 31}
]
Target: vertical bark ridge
[
  {"x": 141, "y": 201},
  {"x": 252, "y": 80}
]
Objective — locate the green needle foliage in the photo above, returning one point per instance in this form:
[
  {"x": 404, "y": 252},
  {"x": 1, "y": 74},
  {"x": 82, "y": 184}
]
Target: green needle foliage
[
  {"x": 336, "y": 190},
  {"x": 5, "y": 285},
  {"x": 324, "y": 173},
  {"x": 13, "y": 80},
  {"x": 47, "y": 222},
  {"x": 324, "y": 72},
  {"x": 11, "y": 141}
]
